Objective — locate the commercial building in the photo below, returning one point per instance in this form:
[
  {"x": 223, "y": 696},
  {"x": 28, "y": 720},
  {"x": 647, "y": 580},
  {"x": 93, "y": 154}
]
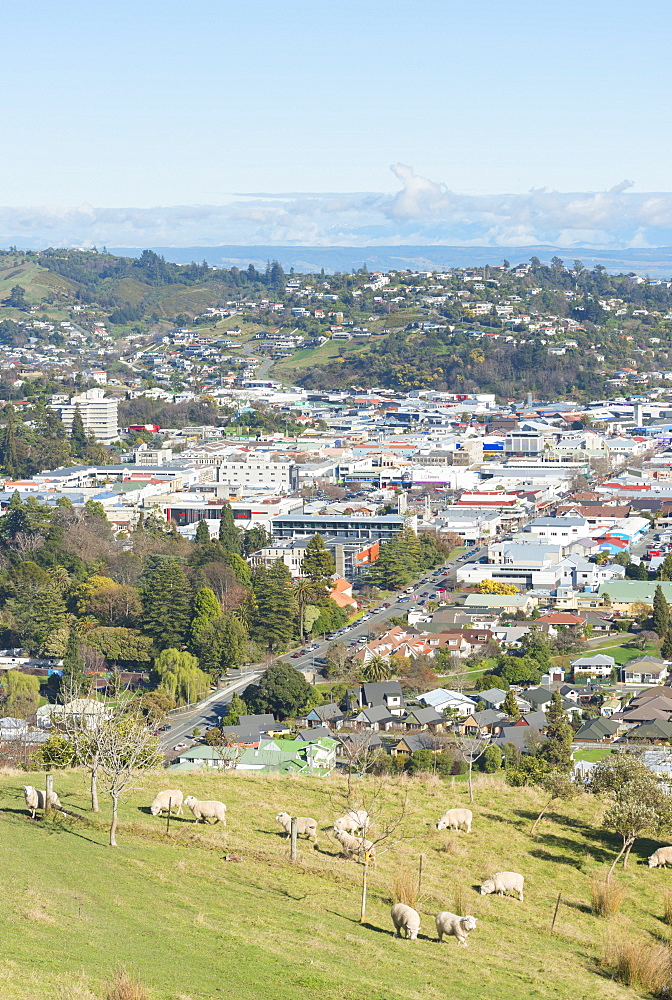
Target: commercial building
[{"x": 99, "y": 414}]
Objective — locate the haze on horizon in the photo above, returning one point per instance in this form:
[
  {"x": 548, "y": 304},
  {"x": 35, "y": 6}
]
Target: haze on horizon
[{"x": 111, "y": 112}]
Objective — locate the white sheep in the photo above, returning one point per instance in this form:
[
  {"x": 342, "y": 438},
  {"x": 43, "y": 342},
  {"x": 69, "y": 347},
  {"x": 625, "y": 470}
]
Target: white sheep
[
  {"x": 407, "y": 919},
  {"x": 35, "y": 799},
  {"x": 353, "y": 821},
  {"x": 661, "y": 858},
  {"x": 172, "y": 798},
  {"x": 207, "y": 809},
  {"x": 355, "y": 846},
  {"x": 503, "y": 882},
  {"x": 449, "y": 923},
  {"x": 306, "y": 826},
  {"x": 455, "y": 819}
]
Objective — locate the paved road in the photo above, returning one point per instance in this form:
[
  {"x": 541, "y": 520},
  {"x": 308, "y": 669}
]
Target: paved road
[
  {"x": 424, "y": 589},
  {"x": 206, "y": 713}
]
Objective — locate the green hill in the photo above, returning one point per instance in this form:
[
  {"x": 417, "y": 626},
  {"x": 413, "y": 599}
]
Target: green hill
[{"x": 196, "y": 927}]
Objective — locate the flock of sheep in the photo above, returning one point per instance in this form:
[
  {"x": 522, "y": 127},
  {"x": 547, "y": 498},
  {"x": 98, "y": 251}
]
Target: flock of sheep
[{"x": 350, "y": 831}]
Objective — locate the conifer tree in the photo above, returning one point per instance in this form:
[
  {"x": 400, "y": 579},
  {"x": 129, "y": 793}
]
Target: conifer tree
[
  {"x": 77, "y": 432},
  {"x": 273, "y": 621},
  {"x": 74, "y": 681},
  {"x": 510, "y": 705},
  {"x": 10, "y": 459},
  {"x": 166, "y": 598},
  {"x": 230, "y": 536},
  {"x": 557, "y": 751},
  {"x": 661, "y": 612},
  {"x": 202, "y": 533},
  {"x": 318, "y": 563}
]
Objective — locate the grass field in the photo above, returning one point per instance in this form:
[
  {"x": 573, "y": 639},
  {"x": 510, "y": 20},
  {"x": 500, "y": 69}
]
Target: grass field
[
  {"x": 195, "y": 927},
  {"x": 591, "y": 754}
]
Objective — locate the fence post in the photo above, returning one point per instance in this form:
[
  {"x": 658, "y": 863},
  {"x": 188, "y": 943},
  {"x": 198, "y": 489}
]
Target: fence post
[
  {"x": 557, "y": 907},
  {"x": 420, "y": 874},
  {"x": 292, "y": 835},
  {"x": 48, "y": 793},
  {"x": 170, "y": 806}
]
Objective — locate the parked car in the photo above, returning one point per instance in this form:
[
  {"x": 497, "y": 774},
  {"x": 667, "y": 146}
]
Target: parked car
[{"x": 180, "y": 746}]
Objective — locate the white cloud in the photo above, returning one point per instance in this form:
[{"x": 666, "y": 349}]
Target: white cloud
[{"x": 423, "y": 211}]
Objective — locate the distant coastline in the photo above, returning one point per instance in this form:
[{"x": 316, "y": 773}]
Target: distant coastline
[{"x": 655, "y": 261}]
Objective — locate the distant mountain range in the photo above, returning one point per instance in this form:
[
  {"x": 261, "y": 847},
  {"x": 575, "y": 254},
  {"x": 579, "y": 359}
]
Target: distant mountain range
[{"x": 655, "y": 262}]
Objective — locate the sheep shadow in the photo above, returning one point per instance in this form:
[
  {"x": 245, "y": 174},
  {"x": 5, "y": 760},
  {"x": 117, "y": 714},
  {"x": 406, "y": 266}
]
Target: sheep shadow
[{"x": 581, "y": 907}]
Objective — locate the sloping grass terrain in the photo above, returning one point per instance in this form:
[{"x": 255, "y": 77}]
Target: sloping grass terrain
[{"x": 196, "y": 927}]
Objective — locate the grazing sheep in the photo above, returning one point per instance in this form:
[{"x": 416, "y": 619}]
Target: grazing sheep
[
  {"x": 171, "y": 797},
  {"x": 35, "y": 799},
  {"x": 352, "y": 846},
  {"x": 456, "y": 819},
  {"x": 305, "y": 825},
  {"x": 353, "y": 821},
  {"x": 449, "y": 923},
  {"x": 661, "y": 858},
  {"x": 207, "y": 810},
  {"x": 405, "y": 918},
  {"x": 503, "y": 882}
]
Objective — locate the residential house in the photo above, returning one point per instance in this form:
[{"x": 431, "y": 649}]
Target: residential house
[
  {"x": 325, "y": 715},
  {"x": 599, "y": 666},
  {"x": 493, "y": 697},
  {"x": 387, "y": 693},
  {"x": 644, "y": 670},
  {"x": 598, "y": 730},
  {"x": 376, "y": 717},
  {"x": 424, "y": 718},
  {"x": 443, "y": 700}
]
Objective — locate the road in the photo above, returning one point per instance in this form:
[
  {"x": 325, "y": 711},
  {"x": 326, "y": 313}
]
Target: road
[
  {"x": 206, "y": 713},
  {"x": 425, "y": 589}
]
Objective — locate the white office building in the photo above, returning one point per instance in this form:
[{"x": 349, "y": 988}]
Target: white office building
[
  {"x": 99, "y": 414},
  {"x": 255, "y": 472}
]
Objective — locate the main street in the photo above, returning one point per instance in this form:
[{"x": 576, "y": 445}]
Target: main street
[{"x": 208, "y": 712}]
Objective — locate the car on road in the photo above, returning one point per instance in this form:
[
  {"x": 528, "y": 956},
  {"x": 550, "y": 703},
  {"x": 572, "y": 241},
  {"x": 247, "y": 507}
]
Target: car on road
[
  {"x": 314, "y": 645},
  {"x": 181, "y": 746},
  {"x": 387, "y": 604},
  {"x": 295, "y": 655}
]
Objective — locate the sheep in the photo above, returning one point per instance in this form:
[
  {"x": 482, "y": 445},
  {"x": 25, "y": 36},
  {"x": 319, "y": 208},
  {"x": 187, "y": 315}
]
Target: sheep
[
  {"x": 353, "y": 821},
  {"x": 503, "y": 882},
  {"x": 207, "y": 810},
  {"x": 352, "y": 846},
  {"x": 449, "y": 923},
  {"x": 661, "y": 858},
  {"x": 35, "y": 799},
  {"x": 405, "y": 918},
  {"x": 171, "y": 797},
  {"x": 306, "y": 826},
  {"x": 455, "y": 819}
]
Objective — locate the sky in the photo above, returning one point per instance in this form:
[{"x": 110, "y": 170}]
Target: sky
[{"x": 217, "y": 122}]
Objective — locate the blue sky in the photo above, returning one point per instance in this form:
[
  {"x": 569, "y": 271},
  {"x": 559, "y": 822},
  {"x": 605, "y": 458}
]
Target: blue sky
[{"x": 164, "y": 104}]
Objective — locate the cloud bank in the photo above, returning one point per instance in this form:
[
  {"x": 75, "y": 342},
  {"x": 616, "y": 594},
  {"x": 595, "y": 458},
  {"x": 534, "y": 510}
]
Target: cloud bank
[{"x": 421, "y": 212}]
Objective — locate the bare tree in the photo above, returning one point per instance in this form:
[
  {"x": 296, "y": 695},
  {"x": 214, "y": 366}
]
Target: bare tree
[
  {"x": 126, "y": 749},
  {"x": 471, "y": 748}
]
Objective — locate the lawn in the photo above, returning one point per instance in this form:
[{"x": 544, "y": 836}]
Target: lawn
[
  {"x": 591, "y": 754},
  {"x": 196, "y": 927}
]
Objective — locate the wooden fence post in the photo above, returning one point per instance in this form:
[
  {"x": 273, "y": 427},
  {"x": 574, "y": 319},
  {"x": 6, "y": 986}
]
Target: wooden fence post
[
  {"x": 170, "y": 806},
  {"x": 292, "y": 837},
  {"x": 557, "y": 907},
  {"x": 48, "y": 793}
]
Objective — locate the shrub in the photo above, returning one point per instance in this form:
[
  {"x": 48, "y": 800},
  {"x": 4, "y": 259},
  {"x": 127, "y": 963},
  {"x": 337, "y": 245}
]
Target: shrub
[
  {"x": 606, "y": 897},
  {"x": 126, "y": 987},
  {"x": 405, "y": 887},
  {"x": 460, "y": 901},
  {"x": 641, "y": 965},
  {"x": 667, "y": 912}
]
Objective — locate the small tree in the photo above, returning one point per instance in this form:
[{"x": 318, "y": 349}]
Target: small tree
[
  {"x": 510, "y": 705},
  {"x": 471, "y": 748},
  {"x": 126, "y": 749},
  {"x": 557, "y": 750},
  {"x": 558, "y": 785},
  {"x": 660, "y": 619}
]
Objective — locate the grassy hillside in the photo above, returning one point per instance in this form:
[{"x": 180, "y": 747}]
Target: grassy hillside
[{"x": 196, "y": 927}]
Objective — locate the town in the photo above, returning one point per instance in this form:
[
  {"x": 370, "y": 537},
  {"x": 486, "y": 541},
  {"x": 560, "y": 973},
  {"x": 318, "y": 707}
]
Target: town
[{"x": 401, "y": 593}]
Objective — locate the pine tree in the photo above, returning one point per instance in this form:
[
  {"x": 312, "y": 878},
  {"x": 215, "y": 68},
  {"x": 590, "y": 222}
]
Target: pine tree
[
  {"x": 510, "y": 705},
  {"x": 318, "y": 563},
  {"x": 202, "y": 533},
  {"x": 77, "y": 432},
  {"x": 643, "y": 573},
  {"x": 235, "y": 709},
  {"x": 166, "y": 597},
  {"x": 10, "y": 459},
  {"x": 661, "y": 612},
  {"x": 207, "y": 610},
  {"x": 666, "y": 645},
  {"x": 557, "y": 750},
  {"x": 273, "y": 621},
  {"x": 230, "y": 536},
  {"x": 74, "y": 681}
]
